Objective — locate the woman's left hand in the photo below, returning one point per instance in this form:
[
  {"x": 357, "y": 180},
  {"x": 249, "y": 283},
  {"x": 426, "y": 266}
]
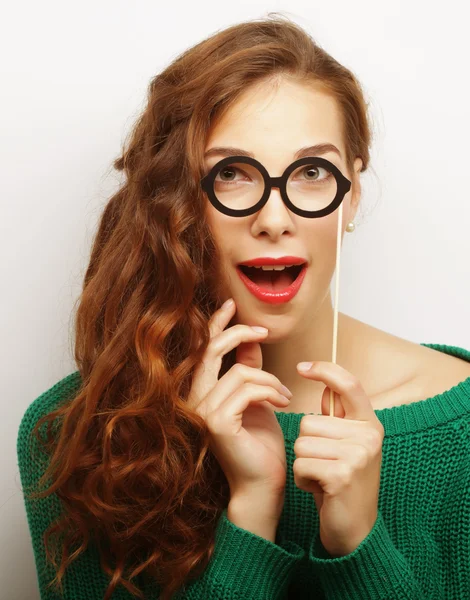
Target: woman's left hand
[{"x": 339, "y": 460}]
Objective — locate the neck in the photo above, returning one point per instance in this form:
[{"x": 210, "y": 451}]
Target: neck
[{"x": 312, "y": 341}]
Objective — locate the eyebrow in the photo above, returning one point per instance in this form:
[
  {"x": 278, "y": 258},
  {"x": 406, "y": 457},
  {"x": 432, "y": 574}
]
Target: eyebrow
[{"x": 314, "y": 150}]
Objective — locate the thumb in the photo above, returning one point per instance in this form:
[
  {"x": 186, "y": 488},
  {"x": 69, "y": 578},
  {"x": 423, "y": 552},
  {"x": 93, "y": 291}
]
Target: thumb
[{"x": 249, "y": 353}]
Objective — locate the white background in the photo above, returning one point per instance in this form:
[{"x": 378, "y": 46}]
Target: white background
[{"x": 74, "y": 78}]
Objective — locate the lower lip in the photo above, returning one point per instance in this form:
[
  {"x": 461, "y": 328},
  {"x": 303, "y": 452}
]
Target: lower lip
[{"x": 274, "y": 297}]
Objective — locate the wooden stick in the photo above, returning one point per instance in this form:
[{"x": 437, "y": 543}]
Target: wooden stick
[{"x": 335, "y": 314}]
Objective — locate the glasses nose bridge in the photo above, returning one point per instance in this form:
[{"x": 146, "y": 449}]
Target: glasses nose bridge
[{"x": 276, "y": 181}]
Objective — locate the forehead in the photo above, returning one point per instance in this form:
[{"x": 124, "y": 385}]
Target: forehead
[{"x": 277, "y": 121}]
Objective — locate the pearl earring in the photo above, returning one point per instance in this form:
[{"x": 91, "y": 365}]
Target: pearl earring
[{"x": 350, "y": 226}]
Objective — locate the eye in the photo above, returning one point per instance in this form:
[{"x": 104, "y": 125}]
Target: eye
[
  {"x": 313, "y": 173},
  {"x": 227, "y": 171}
]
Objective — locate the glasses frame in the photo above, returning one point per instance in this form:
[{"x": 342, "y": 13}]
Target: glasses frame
[{"x": 343, "y": 186}]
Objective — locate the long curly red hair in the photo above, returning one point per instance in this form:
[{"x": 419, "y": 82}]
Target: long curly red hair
[{"x": 131, "y": 461}]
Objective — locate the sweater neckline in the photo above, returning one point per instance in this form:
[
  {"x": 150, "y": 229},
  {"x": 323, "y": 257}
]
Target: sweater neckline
[{"x": 416, "y": 416}]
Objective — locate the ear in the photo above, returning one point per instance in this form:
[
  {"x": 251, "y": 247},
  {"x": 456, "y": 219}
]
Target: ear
[{"x": 356, "y": 187}]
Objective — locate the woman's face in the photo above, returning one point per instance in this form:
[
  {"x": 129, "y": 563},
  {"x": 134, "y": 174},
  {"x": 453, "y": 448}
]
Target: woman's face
[{"x": 273, "y": 125}]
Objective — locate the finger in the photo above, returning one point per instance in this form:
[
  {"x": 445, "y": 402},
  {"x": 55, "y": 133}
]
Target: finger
[
  {"x": 356, "y": 403},
  {"x": 249, "y": 354},
  {"x": 240, "y": 374},
  {"x": 314, "y": 475},
  {"x": 223, "y": 342},
  {"x": 307, "y": 446},
  {"x": 325, "y": 404},
  {"x": 220, "y": 319},
  {"x": 228, "y": 339},
  {"x": 330, "y": 475},
  {"x": 224, "y": 414},
  {"x": 207, "y": 372},
  {"x": 331, "y": 427},
  {"x": 228, "y": 384}
]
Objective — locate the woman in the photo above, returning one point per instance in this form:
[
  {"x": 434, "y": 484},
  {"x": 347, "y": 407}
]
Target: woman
[{"x": 180, "y": 468}]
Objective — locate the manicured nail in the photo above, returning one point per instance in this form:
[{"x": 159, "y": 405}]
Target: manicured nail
[
  {"x": 304, "y": 366},
  {"x": 228, "y": 303},
  {"x": 259, "y": 329},
  {"x": 287, "y": 391}
]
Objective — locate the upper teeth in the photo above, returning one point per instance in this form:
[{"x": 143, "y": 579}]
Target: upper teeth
[{"x": 275, "y": 267}]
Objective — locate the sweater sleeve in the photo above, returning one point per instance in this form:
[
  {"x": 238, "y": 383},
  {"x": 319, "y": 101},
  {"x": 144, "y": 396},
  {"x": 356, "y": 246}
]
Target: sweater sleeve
[
  {"x": 375, "y": 570},
  {"x": 246, "y": 566}
]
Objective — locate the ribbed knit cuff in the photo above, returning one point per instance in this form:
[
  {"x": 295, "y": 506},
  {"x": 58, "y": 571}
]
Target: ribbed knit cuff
[
  {"x": 249, "y": 565},
  {"x": 373, "y": 571}
]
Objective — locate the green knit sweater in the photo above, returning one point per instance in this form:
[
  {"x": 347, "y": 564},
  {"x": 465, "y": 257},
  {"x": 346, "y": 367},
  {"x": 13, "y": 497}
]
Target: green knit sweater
[{"x": 418, "y": 549}]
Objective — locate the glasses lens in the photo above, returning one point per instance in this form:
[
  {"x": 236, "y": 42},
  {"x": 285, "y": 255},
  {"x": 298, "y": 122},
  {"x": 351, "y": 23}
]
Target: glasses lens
[
  {"x": 238, "y": 186},
  {"x": 310, "y": 187}
]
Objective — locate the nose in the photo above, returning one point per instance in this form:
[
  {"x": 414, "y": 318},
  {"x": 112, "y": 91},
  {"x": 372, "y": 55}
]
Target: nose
[{"x": 274, "y": 217}]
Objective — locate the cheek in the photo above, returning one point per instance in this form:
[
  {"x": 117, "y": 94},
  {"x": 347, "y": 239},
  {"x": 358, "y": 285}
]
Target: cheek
[
  {"x": 320, "y": 235},
  {"x": 321, "y": 241},
  {"x": 225, "y": 235},
  {"x": 326, "y": 230},
  {"x": 226, "y": 231}
]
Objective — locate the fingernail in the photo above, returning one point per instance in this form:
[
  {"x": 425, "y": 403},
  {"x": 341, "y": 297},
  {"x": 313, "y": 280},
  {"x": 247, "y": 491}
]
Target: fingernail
[
  {"x": 228, "y": 303},
  {"x": 259, "y": 329},
  {"x": 304, "y": 366},
  {"x": 287, "y": 391}
]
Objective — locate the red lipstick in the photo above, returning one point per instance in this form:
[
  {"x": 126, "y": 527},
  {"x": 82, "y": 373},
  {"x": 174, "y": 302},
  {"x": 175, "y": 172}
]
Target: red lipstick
[
  {"x": 271, "y": 260},
  {"x": 271, "y": 296}
]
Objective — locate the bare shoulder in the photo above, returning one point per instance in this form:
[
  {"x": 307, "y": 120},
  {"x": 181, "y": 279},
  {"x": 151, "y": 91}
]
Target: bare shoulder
[
  {"x": 397, "y": 371},
  {"x": 440, "y": 371}
]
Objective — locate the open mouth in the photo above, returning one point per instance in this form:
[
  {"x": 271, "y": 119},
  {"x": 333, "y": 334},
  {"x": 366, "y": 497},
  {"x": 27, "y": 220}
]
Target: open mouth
[{"x": 272, "y": 280}]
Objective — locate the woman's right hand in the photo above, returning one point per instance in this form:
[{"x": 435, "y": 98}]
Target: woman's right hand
[{"x": 238, "y": 409}]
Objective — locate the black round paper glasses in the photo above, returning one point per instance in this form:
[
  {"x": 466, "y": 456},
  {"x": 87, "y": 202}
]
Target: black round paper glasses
[{"x": 343, "y": 185}]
